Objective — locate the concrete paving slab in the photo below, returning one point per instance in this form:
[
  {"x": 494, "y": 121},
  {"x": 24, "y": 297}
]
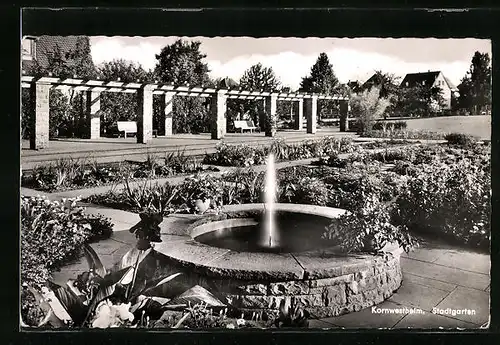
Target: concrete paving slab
[
  {"x": 447, "y": 274},
  {"x": 108, "y": 260},
  {"x": 124, "y": 237},
  {"x": 478, "y": 302},
  {"x": 424, "y": 254},
  {"x": 431, "y": 321},
  {"x": 122, "y": 216},
  {"x": 122, "y": 250},
  {"x": 419, "y": 296},
  {"x": 120, "y": 226},
  {"x": 409, "y": 278},
  {"x": 367, "y": 318},
  {"x": 174, "y": 225},
  {"x": 470, "y": 261},
  {"x": 106, "y": 247}
]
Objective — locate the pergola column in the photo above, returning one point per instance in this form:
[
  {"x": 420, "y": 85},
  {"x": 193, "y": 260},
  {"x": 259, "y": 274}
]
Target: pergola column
[
  {"x": 39, "y": 115},
  {"x": 165, "y": 125},
  {"x": 299, "y": 116},
  {"x": 145, "y": 116},
  {"x": 270, "y": 105},
  {"x": 218, "y": 107},
  {"x": 93, "y": 118},
  {"x": 344, "y": 116},
  {"x": 311, "y": 113}
]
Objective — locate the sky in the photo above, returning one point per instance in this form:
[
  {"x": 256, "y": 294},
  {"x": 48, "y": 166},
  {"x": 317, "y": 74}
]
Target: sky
[{"x": 292, "y": 58}]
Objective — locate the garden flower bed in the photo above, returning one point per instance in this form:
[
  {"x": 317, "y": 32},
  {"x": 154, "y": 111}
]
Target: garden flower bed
[
  {"x": 435, "y": 187},
  {"x": 68, "y": 174},
  {"x": 245, "y": 156},
  {"x": 52, "y": 234},
  {"x": 391, "y": 195}
]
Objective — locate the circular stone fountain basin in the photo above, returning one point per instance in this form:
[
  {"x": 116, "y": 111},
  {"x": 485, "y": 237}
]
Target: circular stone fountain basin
[
  {"x": 294, "y": 232},
  {"x": 227, "y": 258}
]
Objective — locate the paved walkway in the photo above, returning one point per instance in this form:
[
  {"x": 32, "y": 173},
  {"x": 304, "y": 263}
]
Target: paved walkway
[{"x": 434, "y": 276}]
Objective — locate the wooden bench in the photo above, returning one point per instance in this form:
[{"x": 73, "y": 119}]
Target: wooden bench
[
  {"x": 127, "y": 127},
  {"x": 242, "y": 125}
]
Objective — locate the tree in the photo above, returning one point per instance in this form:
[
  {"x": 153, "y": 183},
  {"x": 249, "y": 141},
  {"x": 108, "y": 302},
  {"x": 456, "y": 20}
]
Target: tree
[
  {"x": 257, "y": 78},
  {"x": 322, "y": 79},
  {"x": 475, "y": 87},
  {"x": 182, "y": 63},
  {"x": 389, "y": 88},
  {"x": 388, "y": 83},
  {"x": 117, "y": 106},
  {"x": 260, "y": 78},
  {"x": 73, "y": 63},
  {"x": 368, "y": 106},
  {"x": 418, "y": 101},
  {"x": 65, "y": 119}
]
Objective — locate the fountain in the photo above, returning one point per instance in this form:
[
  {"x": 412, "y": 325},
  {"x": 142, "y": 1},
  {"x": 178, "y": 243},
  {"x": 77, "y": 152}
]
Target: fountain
[
  {"x": 270, "y": 196},
  {"x": 255, "y": 255}
]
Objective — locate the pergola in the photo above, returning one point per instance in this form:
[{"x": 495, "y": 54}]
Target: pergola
[{"x": 40, "y": 89}]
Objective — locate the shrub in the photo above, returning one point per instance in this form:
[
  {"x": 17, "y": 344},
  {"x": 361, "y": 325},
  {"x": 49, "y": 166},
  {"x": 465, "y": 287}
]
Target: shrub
[
  {"x": 234, "y": 155},
  {"x": 367, "y": 107},
  {"x": 368, "y": 228},
  {"x": 149, "y": 195},
  {"x": 404, "y": 134},
  {"x": 243, "y": 186},
  {"x": 100, "y": 228},
  {"x": 68, "y": 173},
  {"x": 334, "y": 161},
  {"x": 201, "y": 187},
  {"x": 383, "y": 143},
  {"x": 310, "y": 191},
  {"x": 397, "y": 125},
  {"x": 349, "y": 190},
  {"x": 389, "y": 125},
  {"x": 391, "y": 155},
  {"x": 177, "y": 162},
  {"x": 451, "y": 200},
  {"x": 52, "y": 233},
  {"x": 244, "y": 156},
  {"x": 462, "y": 140}
]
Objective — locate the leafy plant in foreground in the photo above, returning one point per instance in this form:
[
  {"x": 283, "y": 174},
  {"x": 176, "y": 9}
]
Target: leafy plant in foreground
[
  {"x": 291, "y": 314},
  {"x": 368, "y": 228},
  {"x": 100, "y": 298}
]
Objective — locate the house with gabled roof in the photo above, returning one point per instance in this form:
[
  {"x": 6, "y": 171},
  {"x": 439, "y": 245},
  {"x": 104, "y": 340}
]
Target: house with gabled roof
[
  {"x": 37, "y": 48},
  {"x": 433, "y": 79}
]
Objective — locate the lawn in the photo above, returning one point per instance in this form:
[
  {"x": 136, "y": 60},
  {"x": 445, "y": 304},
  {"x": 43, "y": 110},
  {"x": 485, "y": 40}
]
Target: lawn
[{"x": 479, "y": 125}]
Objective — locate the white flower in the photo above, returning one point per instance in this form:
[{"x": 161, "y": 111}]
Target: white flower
[
  {"x": 230, "y": 325},
  {"x": 110, "y": 315},
  {"x": 240, "y": 322}
]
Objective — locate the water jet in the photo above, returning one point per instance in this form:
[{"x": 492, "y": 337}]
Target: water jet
[{"x": 256, "y": 255}]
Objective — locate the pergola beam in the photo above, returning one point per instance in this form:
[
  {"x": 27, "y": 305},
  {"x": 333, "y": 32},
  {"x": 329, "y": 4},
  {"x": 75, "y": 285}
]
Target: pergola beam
[
  {"x": 158, "y": 89},
  {"x": 40, "y": 88}
]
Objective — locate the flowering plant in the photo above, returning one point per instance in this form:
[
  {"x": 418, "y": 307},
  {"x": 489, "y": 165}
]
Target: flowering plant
[{"x": 109, "y": 315}]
